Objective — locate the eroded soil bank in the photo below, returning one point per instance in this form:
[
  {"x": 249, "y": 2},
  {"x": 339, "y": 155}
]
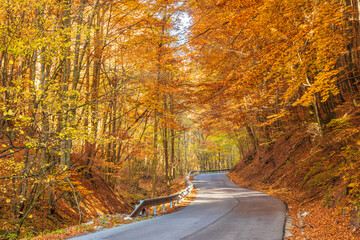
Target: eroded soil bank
[{"x": 311, "y": 174}]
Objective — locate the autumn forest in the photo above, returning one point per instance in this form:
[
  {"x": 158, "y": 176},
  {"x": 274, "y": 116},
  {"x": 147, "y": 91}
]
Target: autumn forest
[{"x": 131, "y": 95}]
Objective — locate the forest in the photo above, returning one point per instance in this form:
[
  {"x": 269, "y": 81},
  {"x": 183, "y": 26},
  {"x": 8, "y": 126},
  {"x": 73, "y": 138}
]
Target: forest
[{"x": 131, "y": 95}]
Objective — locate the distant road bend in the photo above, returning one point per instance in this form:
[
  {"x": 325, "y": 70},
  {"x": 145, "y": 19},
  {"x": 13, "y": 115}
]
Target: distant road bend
[{"x": 221, "y": 211}]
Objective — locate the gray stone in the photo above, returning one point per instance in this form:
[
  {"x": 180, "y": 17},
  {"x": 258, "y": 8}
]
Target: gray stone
[{"x": 99, "y": 227}]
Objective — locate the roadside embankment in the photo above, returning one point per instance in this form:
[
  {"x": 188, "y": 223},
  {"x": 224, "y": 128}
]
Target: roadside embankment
[{"x": 316, "y": 175}]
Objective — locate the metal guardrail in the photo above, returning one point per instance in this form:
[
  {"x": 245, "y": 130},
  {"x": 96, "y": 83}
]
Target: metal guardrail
[
  {"x": 172, "y": 198},
  {"x": 214, "y": 171}
]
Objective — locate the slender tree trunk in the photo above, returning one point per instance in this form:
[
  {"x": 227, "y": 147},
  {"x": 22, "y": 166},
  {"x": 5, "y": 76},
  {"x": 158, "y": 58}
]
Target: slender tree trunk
[
  {"x": 316, "y": 110},
  {"x": 185, "y": 153},
  {"x": 165, "y": 143},
  {"x": 253, "y": 138},
  {"x": 65, "y": 120},
  {"x": 172, "y": 141},
  {"x": 155, "y": 157}
]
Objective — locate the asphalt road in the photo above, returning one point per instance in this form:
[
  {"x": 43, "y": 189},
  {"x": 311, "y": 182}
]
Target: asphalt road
[{"x": 221, "y": 211}]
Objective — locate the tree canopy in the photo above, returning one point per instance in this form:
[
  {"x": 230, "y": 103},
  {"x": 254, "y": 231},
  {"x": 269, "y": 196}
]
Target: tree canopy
[{"x": 127, "y": 90}]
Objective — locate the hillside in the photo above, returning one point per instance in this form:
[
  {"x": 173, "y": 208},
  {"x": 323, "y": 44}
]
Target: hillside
[
  {"x": 96, "y": 199},
  {"x": 315, "y": 174}
]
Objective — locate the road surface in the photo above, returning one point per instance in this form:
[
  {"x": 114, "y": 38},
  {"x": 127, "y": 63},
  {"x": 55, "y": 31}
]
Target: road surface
[{"x": 221, "y": 211}]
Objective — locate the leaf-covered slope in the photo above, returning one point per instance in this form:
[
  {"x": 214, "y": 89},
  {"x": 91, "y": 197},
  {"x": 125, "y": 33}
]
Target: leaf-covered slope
[{"x": 313, "y": 171}]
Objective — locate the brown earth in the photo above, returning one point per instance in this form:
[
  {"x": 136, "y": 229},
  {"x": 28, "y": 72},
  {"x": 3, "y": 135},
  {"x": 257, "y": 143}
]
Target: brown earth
[
  {"x": 113, "y": 220},
  {"x": 97, "y": 201},
  {"x": 311, "y": 174}
]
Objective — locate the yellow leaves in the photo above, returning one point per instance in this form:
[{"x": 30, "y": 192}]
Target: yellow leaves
[
  {"x": 8, "y": 113},
  {"x": 354, "y": 184},
  {"x": 273, "y": 118},
  {"x": 8, "y": 200},
  {"x": 283, "y": 47},
  {"x": 22, "y": 198}
]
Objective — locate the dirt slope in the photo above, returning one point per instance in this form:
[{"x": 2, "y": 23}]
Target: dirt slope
[
  {"x": 97, "y": 200},
  {"x": 315, "y": 174}
]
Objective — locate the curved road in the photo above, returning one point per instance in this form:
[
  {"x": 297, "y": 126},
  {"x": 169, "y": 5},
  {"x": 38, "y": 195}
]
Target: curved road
[{"x": 221, "y": 211}]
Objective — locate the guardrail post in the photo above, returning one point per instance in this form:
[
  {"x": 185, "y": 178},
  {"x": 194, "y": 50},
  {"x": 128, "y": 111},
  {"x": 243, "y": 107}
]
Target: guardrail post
[
  {"x": 164, "y": 207},
  {"x": 140, "y": 214},
  {"x": 136, "y": 206},
  {"x": 154, "y": 210},
  {"x": 171, "y": 204},
  {"x": 175, "y": 202}
]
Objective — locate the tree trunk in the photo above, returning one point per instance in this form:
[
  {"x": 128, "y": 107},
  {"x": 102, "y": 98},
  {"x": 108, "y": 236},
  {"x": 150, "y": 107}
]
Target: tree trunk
[
  {"x": 155, "y": 157},
  {"x": 253, "y": 138}
]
